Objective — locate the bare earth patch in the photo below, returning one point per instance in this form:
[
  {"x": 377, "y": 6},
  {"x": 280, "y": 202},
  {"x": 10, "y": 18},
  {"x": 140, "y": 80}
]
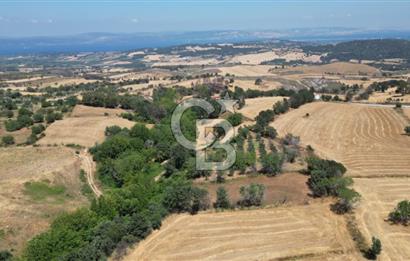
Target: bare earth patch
[
  {"x": 21, "y": 216},
  {"x": 368, "y": 140},
  {"x": 289, "y": 188},
  {"x": 264, "y": 234}
]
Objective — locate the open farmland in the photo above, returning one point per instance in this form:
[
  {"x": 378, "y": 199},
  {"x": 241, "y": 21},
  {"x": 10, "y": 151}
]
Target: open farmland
[
  {"x": 246, "y": 70},
  {"x": 24, "y": 214},
  {"x": 85, "y": 127},
  {"x": 265, "y": 234},
  {"x": 379, "y": 198},
  {"x": 342, "y": 68},
  {"x": 368, "y": 140},
  {"x": 255, "y": 105}
]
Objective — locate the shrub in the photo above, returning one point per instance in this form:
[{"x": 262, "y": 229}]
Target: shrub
[
  {"x": 37, "y": 129},
  {"x": 401, "y": 214},
  {"x": 375, "y": 249},
  {"x": 251, "y": 195},
  {"x": 407, "y": 130},
  {"x": 8, "y": 140},
  {"x": 235, "y": 119},
  {"x": 38, "y": 117},
  {"x": 222, "y": 199}
]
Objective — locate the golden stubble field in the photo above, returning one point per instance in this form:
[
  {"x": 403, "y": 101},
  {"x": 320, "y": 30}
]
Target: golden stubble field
[
  {"x": 309, "y": 232},
  {"x": 379, "y": 198},
  {"x": 84, "y": 127},
  {"x": 255, "y": 105},
  {"x": 368, "y": 140},
  {"x": 22, "y": 217}
]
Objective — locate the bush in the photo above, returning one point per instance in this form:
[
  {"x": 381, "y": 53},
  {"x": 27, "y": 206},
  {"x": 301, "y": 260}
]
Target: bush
[
  {"x": 401, "y": 214},
  {"x": 5, "y": 256},
  {"x": 222, "y": 199},
  {"x": 37, "y": 129},
  {"x": 8, "y": 140},
  {"x": 251, "y": 195},
  {"x": 375, "y": 249},
  {"x": 38, "y": 117},
  {"x": 272, "y": 164},
  {"x": 112, "y": 130},
  {"x": 407, "y": 130},
  {"x": 235, "y": 119}
]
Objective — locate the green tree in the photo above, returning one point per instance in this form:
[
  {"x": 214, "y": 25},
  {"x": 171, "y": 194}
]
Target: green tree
[
  {"x": 235, "y": 119},
  {"x": 401, "y": 214},
  {"x": 251, "y": 195},
  {"x": 222, "y": 199},
  {"x": 375, "y": 249}
]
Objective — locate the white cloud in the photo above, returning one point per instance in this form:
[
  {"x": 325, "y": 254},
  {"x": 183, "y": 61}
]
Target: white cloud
[
  {"x": 349, "y": 15},
  {"x": 50, "y": 21},
  {"x": 135, "y": 20},
  {"x": 34, "y": 21}
]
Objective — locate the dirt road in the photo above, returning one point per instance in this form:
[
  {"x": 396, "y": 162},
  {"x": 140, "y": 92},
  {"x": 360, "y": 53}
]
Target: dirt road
[{"x": 89, "y": 167}]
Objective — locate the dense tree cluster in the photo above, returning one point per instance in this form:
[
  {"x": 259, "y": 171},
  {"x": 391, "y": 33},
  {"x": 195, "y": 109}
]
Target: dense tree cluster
[{"x": 326, "y": 179}]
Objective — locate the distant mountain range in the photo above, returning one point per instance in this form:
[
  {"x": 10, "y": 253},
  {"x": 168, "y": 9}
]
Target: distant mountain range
[{"x": 95, "y": 42}]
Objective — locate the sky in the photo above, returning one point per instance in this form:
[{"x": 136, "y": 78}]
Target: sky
[{"x": 26, "y": 18}]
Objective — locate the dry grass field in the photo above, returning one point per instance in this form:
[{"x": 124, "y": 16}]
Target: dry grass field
[
  {"x": 22, "y": 217},
  {"x": 85, "y": 127},
  {"x": 255, "y": 105},
  {"x": 368, "y": 140},
  {"x": 388, "y": 96},
  {"x": 258, "y": 58},
  {"x": 250, "y": 84},
  {"x": 379, "y": 198},
  {"x": 266, "y": 234},
  {"x": 246, "y": 70},
  {"x": 340, "y": 68}
]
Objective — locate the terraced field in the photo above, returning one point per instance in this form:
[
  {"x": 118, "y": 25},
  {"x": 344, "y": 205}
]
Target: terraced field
[
  {"x": 287, "y": 232},
  {"x": 368, "y": 140},
  {"x": 379, "y": 197}
]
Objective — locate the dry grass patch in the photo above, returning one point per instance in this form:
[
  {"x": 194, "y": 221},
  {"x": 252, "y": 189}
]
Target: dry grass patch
[
  {"x": 379, "y": 198},
  {"x": 85, "y": 127},
  {"x": 255, "y": 105},
  {"x": 246, "y": 70},
  {"x": 250, "y": 84},
  {"x": 343, "y": 68},
  {"x": 265, "y": 234},
  {"x": 88, "y": 111},
  {"x": 368, "y": 140},
  {"x": 36, "y": 184}
]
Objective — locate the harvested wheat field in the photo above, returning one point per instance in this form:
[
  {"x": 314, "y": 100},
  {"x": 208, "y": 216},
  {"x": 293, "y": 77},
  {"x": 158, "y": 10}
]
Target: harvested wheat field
[
  {"x": 83, "y": 127},
  {"x": 255, "y": 105},
  {"x": 88, "y": 111},
  {"x": 407, "y": 114},
  {"x": 24, "y": 213},
  {"x": 368, "y": 140},
  {"x": 335, "y": 68},
  {"x": 246, "y": 70},
  {"x": 263, "y": 234},
  {"x": 250, "y": 84},
  {"x": 379, "y": 198}
]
